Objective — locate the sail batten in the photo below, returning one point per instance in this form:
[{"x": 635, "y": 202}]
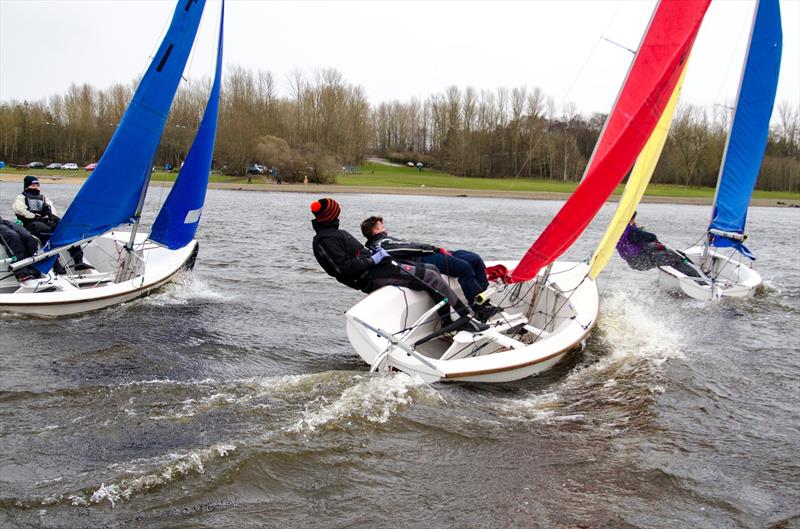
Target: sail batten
[
  {"x": 747, "y": 141},
  {"x": 177, "y": 221},
  {"x": 111, "y": 194},
  {"x": 649, "y": 85}
]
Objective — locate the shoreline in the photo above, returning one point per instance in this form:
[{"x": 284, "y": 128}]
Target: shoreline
[{"x": 329, "y": 189}]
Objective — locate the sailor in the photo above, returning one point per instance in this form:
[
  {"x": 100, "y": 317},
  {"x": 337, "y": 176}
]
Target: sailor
[
  {"x": 39, "y": 216},
  {"x": 347, "y": 260},
  {"x": 642, "y": 251},
  {"x": 21, "y": 245},
  {"x": 467, "y": 267}
]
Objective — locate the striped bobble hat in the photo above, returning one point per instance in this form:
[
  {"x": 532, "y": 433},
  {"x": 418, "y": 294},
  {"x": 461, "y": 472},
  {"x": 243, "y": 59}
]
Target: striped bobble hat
[{"x": 325, "y": 209}]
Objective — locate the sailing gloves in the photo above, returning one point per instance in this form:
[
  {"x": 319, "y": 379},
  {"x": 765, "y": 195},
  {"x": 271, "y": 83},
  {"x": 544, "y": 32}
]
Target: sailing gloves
[{"x": 379, "y": 254}]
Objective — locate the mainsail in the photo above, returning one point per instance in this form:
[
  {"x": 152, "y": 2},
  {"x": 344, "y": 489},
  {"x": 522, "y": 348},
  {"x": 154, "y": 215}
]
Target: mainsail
[
  {"x": 111, "y": 194},
  {"x": 179, "y": 217},
  {"x": 636, "y": 185},
  {"x": 650, "y": 83},
  {"x": 748, "y": 138}
]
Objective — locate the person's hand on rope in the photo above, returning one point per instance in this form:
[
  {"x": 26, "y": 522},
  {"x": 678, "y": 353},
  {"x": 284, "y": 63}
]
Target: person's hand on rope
[{"x": 444, "y": 251}]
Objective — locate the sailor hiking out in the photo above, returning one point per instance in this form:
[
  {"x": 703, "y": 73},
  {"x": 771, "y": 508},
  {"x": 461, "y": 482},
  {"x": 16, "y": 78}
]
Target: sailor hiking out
[
  {"x": 643, "y": 251},
  {"x": 467, "y": 267},
  {"x": 352, "y": 264}
]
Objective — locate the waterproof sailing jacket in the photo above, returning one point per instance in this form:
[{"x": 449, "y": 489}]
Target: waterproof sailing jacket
[
  {"x": 341, "y": 255},
  {"x": 400, "y": 249},
  {"x": 28, "y": 206},
  {"x": 633, "y": 241}
]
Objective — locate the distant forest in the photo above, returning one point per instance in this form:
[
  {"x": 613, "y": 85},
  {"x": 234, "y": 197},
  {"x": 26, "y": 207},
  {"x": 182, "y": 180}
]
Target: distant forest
[{"x": 324, "y": 123}]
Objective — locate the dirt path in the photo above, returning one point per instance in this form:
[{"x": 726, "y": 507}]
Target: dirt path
[{"x": 383, "y": 161}]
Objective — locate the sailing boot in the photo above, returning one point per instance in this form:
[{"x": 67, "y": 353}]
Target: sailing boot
[
  {"x": 466, "y": 322},
  {"x": 485, "y": 311},
  {"x": 58, "y": 268}
]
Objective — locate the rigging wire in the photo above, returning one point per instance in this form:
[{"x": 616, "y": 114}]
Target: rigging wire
[{"x": 529, "y": 155}]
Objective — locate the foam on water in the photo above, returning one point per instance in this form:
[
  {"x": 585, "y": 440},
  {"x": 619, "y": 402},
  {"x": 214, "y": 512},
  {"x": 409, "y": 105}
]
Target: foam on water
[
  {"x": 641, "y": 326},
  {"x": 542, "y": 407},
  {"x": 373, "y": 398},
  {"x": 174, "y": 467},
  {"x": 189, "y": 288},
  {"x": 635, "y": 336}
]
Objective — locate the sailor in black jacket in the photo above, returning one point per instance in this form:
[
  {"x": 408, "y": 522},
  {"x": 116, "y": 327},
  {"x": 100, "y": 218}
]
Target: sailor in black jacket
[
  {"x": 352, "y": 264},
  {"x": 466, "y": 266}
]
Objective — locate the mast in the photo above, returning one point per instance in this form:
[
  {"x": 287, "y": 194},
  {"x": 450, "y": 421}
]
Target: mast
[
  {"x": 621, "y": 88},
  {"x": 709, "y": 237},
  {"x": 137, "y": 216},
  {"x": 125, "y": 271},
  {"x": 749, "y": 135}
]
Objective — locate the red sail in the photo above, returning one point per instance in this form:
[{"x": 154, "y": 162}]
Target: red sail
[{"x": 651, "y": 80}]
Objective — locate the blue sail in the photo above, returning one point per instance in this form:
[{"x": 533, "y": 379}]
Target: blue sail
[
  {"x": 110, "y": 196},
  {"x": 747, "y": 141},
  {"x": 179, "y": 217}
]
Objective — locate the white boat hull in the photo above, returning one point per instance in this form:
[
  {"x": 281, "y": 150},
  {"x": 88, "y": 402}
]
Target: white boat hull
[
  {"x": 484, "y": 357},
  {"x": 75, "y": 293},
  {"x": 733, "y": 278}
]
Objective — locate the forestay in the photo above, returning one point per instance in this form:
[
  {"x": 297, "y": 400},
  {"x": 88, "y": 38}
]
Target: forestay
[
  {"x": 650, "y": 83},
  {"x": 179, "y": 217},
  {"x": 748, "y": 138}
]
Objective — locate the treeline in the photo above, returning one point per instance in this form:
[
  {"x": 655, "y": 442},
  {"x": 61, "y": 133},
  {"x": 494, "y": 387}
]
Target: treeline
[
  {"x": 324, "y": 122},
  {"x": 520, "y": 132}
]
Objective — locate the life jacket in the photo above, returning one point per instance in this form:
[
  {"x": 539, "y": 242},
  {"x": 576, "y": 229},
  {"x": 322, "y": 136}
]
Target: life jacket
[{"x": 36, "y": 203}]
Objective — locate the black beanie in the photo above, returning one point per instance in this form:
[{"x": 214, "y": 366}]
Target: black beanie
[{"x": 30, "y": 179}]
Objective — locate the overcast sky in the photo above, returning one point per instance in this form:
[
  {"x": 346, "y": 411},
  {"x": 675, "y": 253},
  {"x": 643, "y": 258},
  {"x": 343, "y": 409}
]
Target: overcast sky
[{"x": 395, "y": 50}]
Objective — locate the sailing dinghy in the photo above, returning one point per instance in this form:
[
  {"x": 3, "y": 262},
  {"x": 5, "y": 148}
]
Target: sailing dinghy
[
  {"x": 548, "y": 307},
  {"x": 105, "y": 214},
  {"x": 723, "y": 258}
]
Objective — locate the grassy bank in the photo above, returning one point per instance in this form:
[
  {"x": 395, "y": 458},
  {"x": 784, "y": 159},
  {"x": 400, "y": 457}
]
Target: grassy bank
[
  {"x": 381, "y": 175},
  {"x": 377, "y": 175}
]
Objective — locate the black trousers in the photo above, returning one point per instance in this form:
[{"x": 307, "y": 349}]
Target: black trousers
[
  {"x": 44, "y": 228},
  {"x": 652, "y": 257},
  {"x": 417, "y": 276},
  {"x": 19, "y": 241}
]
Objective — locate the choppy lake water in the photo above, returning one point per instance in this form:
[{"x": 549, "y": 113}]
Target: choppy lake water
[{"x": 233, "y": 399}]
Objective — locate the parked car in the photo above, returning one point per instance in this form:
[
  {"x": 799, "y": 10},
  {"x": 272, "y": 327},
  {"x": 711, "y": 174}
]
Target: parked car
[
  {"x": 90, "y": 167},
  {"x": 256, "y": 169},
  {"x": 70, "y": 166},
  {"x": 35, "y": 165},
  {"x": 54, "y": 165}
]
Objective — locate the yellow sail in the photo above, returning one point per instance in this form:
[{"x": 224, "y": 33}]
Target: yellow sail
[{"x": 637, "y": 183}]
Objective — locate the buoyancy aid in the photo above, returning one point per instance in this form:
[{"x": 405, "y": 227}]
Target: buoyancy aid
[{"x": 36, "y": 203}]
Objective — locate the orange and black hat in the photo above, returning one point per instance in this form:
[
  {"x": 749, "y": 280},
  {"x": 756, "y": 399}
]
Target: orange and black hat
[{"x": 325, "y": 209}]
